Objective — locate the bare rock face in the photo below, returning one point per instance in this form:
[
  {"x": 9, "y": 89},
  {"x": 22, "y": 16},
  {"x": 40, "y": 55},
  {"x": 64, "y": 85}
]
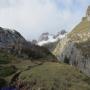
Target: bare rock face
[
  {"x": 73, "y": 53},
  {"x": 74, "y": 49},
  {"x": 10, "y": 39},
  {"x": 44, "y": 36},
  {"x": 13, "y": 42},
  {"x": 88, "y": 13}
]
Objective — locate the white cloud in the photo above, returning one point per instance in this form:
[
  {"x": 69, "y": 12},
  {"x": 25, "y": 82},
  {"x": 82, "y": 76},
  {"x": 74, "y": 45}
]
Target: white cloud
[{"x": 32, "y": 17}]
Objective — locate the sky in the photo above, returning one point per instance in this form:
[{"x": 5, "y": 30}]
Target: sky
[{"x": 33, "y": 17}]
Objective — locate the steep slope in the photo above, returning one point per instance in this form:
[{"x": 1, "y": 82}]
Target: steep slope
[
  {"x": 75, "y": 47},
  {"x": 8, "y": 37},
  {"x": 31, "y": 67},
  {"x": 17, "y": 54}
]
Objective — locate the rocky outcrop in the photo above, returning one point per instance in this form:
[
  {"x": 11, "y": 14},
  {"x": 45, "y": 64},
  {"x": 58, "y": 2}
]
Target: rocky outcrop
[
  {"x": 44, "y": 36},
  {"x": 49, "y": 41},
  {"x": 78, "y": 54},
  {"x": 88, "y": 13},
  {"x": 74, "y": 49},
  {"x": 10, "y": 39}
]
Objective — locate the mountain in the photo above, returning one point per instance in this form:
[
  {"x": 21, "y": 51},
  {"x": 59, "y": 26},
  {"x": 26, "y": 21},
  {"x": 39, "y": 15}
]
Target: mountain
[
  {"x": 13, "y": 42},
  {"x": 18, "y": 54},
  {"x": 10, "y": 38},
  {"x": 27, "y": 66},
  {"x": 49, "y": 40},
  {"x": 25, "y": 74},
  {"x": 74, "y": 49}
]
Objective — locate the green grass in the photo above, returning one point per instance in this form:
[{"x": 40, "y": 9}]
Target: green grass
[
  {"x": 55, "y": 76},
  {"x": 7, "y": 70},
  {"x": 4, "y": 59},
  {"x": 83, "y": 26}
]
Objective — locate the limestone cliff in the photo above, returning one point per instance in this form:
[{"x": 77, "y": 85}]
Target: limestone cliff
[{"x": 75, "y": 47}]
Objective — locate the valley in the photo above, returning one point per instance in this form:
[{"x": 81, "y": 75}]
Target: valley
[{"x": 54, "y": 62}]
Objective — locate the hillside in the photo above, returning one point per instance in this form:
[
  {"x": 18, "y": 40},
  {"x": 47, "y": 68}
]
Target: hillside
[
  {"x": 52, "y": 76},
  {"x": 17, "y": 54},
  {"x": 13, "y": 42},
  {"x": 35, "y": 68},
  {"x": 75, "y": 47},
  {"x": 27, "y": 74},
  {"x": 81, "y": 31}
]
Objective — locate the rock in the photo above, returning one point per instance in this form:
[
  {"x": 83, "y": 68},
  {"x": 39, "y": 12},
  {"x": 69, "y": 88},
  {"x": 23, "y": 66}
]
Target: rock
[
  {"x": 88, "y": 13},
  {"x": 76, "y": 46},
  {"x": 13, "y": 42}
]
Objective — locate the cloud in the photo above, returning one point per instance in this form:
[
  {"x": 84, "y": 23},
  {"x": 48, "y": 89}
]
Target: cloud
[{"x": 32, "y": 17}]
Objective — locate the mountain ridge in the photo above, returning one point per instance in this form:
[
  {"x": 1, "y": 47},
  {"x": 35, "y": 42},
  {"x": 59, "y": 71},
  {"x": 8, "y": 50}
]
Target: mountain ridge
[{"x": 75, "y": 47}]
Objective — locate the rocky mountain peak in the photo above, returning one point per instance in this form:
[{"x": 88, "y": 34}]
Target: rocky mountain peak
[
  {"x": 88, "y": 13},
  {"x": 12, "y": 42},
  {"x": 62, "y": 32},
  {"x": 44, "y": 36},
  {"x": 47, "y": 38},
  {"x": 8, "y": 37}
]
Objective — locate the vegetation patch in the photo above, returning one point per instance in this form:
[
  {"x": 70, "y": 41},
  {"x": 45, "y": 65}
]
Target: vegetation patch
[
  {"x": 7, "y": 70},
  {"x": 4, "y": 58},
  {"x": 54, "y": 76}
]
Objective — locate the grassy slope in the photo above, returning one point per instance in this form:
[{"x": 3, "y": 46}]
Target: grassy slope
[
  {"x": 46, "y": 76},
  {"x": 55, "y": 76},
  {"x": 83, "y": 26},
  {"x": 10, "y": 64},
  {"x": 78, "y": 35}
]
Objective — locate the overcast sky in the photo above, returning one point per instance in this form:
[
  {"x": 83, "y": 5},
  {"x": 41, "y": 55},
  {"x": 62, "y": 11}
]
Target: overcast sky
[{"x": 33, "y": 17}]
